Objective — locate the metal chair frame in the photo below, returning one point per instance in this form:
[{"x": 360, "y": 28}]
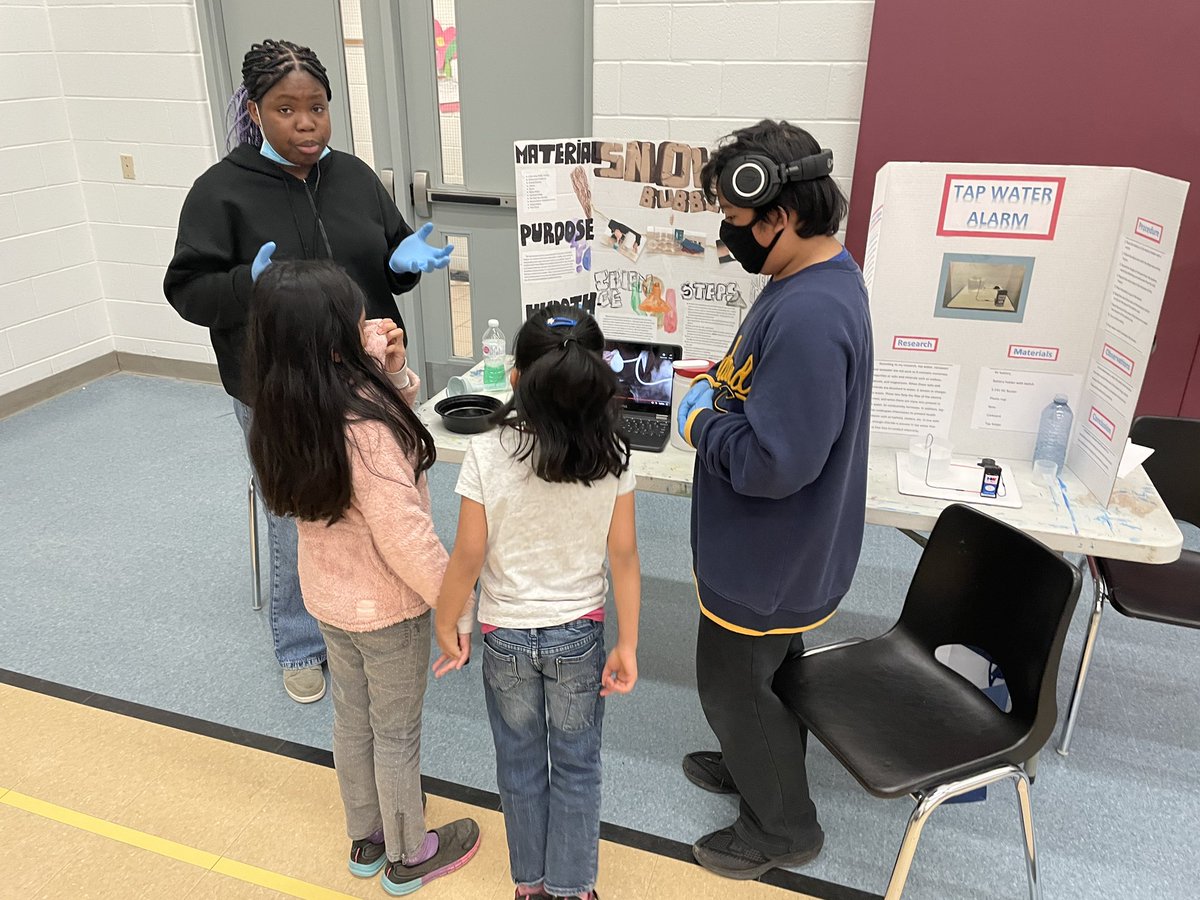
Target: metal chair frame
[{"x": 255, "y": 572}]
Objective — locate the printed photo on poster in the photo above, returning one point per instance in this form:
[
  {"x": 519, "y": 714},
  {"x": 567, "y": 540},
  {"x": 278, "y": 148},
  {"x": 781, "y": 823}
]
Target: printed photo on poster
[
  {"x": 983, "y": 287},
  {"x": 671, "y": 241},
  {"x": 618, "y": 236}
]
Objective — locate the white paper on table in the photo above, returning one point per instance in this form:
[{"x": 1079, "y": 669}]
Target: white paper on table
[
  {"x": 961, "y": 484},
  {"x": 1134, "y": 456}
]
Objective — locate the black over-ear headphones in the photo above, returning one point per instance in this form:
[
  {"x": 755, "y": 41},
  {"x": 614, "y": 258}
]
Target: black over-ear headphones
[{"x": 752, "y": 179}]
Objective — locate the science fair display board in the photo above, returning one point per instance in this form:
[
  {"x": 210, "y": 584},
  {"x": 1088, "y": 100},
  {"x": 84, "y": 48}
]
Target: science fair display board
[
  {"x": 995, "y": 287},
  {"x": 621, "y": 229}
]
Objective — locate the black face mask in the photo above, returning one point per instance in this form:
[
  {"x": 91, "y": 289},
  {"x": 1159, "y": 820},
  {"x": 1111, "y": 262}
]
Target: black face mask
[{"x": 745, "y": 247}]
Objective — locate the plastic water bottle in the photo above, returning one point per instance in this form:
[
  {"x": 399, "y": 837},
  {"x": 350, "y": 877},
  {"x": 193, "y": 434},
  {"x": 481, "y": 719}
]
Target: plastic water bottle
[
  {"x": 493, "y": 357},
  {"x": 1054, "y": 432}
]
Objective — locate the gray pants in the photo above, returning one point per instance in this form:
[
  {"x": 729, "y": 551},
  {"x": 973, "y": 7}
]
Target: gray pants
[{"x": 378, "y": 689}]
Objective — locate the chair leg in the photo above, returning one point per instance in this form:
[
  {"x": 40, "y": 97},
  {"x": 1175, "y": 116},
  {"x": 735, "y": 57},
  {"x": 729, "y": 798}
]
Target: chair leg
[
  {"x": 1031, "y": 867},
  {"x": 927, "y": 803},
  {"x": 908, "y": 846},
  {"x": 256, "y": 582},
  {"x": 1100, "y": 587}
]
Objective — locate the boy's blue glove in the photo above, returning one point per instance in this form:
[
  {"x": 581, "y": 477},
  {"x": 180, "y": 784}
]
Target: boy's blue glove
[
  {"x": 262, "y": 260},
  {"x": 415, "y": 255},
  {"x": 699, "y": 397}
]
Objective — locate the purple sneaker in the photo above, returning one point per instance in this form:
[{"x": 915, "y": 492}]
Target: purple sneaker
[{"x": 457, "y": 843}]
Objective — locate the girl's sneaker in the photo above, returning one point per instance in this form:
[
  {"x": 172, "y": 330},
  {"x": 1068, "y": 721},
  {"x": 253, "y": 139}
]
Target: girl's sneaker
[
  {"x": 457, "y": 843},
  {"x": 367, "y": 856}
]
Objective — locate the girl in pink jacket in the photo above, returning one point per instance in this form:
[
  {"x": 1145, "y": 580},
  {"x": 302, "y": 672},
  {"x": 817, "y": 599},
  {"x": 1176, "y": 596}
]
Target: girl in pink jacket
[{"x": 336, "y": 444}]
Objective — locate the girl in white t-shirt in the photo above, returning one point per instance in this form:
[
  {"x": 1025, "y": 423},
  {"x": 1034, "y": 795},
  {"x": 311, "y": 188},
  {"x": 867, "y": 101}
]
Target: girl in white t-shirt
[{"x": 545, "y": 497}]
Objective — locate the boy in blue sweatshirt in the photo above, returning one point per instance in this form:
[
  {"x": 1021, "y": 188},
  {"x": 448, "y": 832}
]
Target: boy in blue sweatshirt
[{"x": 780, "y": 428}]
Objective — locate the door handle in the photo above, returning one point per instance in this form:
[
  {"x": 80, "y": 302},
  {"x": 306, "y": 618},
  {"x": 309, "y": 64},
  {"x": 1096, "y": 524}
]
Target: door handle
[
  {"x": 424, "y": 196},
  {"x": 421, "y": 194},
  {"x": 388, "y": 177}
]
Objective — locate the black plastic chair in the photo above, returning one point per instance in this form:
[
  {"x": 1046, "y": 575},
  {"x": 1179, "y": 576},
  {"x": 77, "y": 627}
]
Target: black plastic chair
[
  {"x": 904, "y": 724},
  {"x": 1167, "y": 593}
]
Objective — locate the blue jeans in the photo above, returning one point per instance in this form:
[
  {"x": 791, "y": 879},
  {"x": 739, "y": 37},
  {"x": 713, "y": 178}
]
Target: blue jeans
[
  {"x": 298, "y": 642},
  {"x": 543, "y": 698}
]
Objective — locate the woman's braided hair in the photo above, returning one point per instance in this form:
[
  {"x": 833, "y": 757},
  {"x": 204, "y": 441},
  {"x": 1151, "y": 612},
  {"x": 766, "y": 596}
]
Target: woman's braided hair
[{"x": 264, "y": 66}]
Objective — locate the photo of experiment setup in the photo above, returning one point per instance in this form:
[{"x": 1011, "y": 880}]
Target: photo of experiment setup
[{"x": 987, "y": 287}]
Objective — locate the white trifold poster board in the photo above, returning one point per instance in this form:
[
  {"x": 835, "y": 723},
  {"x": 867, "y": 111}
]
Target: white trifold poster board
[
  {"x": 995, "y": 287},
  {"x": 621, "y": 229}
]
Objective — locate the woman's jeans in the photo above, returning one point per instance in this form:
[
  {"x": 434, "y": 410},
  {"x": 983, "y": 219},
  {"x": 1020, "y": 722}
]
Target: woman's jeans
[
  {"x": 543, "y": 699},
  {"x": 298, "y": 642}
]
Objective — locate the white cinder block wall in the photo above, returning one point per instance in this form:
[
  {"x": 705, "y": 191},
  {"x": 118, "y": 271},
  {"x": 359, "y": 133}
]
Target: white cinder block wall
[
  {"x": 693, "y": 70},
  {"x": 52, "y": 312},
  {"x": 133, "y": 79},
  {"x": 82, "y": 250}
]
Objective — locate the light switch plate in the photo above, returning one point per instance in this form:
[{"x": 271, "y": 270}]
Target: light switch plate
[{"x": 127, "y": 167}]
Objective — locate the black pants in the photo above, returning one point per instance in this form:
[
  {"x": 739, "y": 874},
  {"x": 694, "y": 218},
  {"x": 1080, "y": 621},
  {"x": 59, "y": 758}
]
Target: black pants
[{"x": 762, "y": 740}]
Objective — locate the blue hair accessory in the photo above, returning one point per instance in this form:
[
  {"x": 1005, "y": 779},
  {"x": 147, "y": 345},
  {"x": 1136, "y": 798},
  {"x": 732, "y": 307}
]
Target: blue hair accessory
[{"x": 560, "y": 322}]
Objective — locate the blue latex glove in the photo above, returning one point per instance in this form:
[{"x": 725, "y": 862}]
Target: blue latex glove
[
  {"x": 416, "y": 255},
  {"x": 699, "y": 397},
  {"x": 262, "y": 260}
]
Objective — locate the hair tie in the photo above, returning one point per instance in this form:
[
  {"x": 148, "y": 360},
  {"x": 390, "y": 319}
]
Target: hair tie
[{"x": 569, "y": 339}]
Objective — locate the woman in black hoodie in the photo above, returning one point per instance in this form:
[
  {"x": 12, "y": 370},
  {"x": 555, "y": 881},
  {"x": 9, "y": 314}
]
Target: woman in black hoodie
[{"x": 282, "y": 193}]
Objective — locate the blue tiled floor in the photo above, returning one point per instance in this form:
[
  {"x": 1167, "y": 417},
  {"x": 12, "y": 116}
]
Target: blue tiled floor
[{"x": 124, "y": 570}]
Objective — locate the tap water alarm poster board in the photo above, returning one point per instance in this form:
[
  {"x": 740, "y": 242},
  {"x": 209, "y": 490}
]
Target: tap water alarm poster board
[{"x": 995, "y": 287}]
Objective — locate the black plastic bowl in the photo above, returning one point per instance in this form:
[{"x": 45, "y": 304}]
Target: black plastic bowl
[{"x": 467, "y": 413}]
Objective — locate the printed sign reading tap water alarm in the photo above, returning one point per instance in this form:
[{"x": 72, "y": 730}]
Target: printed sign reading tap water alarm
[
  {"x": 1001, "y": 206},
  {"x": 1151, "y": 231}
]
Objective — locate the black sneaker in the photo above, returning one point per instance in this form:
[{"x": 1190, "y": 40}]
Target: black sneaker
[
  {"x": 540, "y": 895},
  {"x": 724, "y": 853},
  {"x": 457, "y": 843},
  {"x": 367, "y": 856},
  {"x": 706, "y": 769}
]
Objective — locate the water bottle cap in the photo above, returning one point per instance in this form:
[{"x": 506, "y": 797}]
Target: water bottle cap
[
  {"x": 1061, "y": 399},
  {"x": 493, "y": 323}
]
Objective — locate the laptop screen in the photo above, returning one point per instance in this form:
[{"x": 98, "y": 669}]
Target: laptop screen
[{"x": 644, "y": 373}]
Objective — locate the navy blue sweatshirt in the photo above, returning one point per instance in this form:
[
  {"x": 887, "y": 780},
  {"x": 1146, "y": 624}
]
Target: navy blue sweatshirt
[
  {"x": 779, "y": 495},
  {"x": 245, "y": 200}
]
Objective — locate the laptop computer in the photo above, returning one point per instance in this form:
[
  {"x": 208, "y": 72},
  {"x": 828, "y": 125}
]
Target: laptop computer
[{"x": 644, "y": 376}]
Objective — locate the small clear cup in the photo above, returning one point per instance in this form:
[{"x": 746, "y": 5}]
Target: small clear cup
[
  {"x": 940, "y": 453},
  {"x": 918, "y": 453},
  {"x": 1045, "y": 471}
]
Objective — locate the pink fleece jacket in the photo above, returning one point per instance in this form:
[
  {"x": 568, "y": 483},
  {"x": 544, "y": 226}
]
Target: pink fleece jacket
[{"x": 381, "y": 562}]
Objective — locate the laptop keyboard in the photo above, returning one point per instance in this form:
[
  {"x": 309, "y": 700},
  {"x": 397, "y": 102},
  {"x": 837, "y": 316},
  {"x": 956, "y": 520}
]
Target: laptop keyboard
[{"x": 644, "y": 431}]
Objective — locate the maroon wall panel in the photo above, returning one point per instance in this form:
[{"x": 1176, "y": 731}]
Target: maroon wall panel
[{"x": 1067, "y": 82}]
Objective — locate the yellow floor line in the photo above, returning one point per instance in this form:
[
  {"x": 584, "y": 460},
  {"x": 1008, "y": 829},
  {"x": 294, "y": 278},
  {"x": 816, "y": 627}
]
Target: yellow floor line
[{"x": 163, "y": 847}]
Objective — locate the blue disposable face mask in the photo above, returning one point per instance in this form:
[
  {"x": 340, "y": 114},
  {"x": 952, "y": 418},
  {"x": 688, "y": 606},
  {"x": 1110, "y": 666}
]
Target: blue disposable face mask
[{"x": 273, "y": 155}]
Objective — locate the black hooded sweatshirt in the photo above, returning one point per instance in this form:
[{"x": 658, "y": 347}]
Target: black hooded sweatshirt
[{"x": 246, "y": 200}]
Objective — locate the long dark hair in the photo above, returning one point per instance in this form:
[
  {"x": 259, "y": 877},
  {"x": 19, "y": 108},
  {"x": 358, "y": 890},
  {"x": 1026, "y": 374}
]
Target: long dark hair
[
  {"x": 309, "y": 376},
  {"x": 263, "y": 67},
  {"x": 564, "y": 408}
]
